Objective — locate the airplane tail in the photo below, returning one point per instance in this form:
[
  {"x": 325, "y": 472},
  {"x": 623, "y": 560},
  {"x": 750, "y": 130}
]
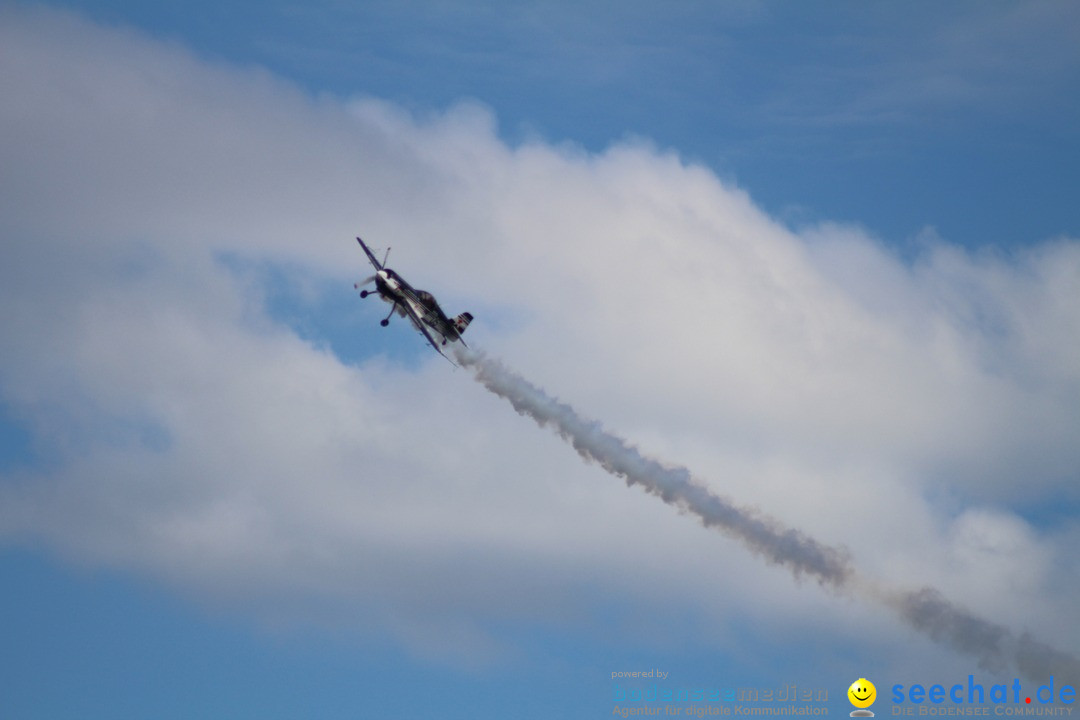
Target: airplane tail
[{"x": 461, "y": 322}]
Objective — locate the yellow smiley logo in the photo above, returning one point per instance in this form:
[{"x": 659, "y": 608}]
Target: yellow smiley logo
[{"x": 862, "y": 693}]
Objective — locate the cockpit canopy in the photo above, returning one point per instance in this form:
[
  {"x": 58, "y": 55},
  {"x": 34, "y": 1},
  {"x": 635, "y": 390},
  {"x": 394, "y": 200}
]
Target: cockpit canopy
[{"x": 427, "y": 299}]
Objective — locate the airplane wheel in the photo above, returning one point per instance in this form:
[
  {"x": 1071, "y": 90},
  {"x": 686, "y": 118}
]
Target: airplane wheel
[
  {"x": 384, "y": 323},
  {"x": 364, "y": 293}
]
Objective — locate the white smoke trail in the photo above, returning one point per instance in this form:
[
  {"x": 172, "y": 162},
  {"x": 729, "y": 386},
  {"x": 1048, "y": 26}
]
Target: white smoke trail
[
  {"x": 926, "y": 610},
  {"x": 801, "y": 554}
]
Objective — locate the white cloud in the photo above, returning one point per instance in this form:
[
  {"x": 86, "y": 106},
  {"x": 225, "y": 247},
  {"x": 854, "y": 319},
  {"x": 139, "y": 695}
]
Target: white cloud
[{"x": 907, "y": 410}]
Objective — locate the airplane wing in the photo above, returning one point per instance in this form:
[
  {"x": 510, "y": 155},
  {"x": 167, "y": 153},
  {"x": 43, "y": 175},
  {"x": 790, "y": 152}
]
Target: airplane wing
[
  {"x": 371, "y": 256},
  {"x": 419, "y": 323}
]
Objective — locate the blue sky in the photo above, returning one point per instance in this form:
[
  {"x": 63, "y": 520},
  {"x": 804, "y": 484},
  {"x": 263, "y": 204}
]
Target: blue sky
[
  {"x": 894, "y": 116},
  {"x": 824, "y": 255}
]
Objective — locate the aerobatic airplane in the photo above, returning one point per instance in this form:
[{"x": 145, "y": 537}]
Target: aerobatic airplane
[{"x": 417, "y": 305}]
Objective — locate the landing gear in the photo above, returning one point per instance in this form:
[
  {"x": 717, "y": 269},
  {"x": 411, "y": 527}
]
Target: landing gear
[
  {"x": 386, "y": 320},
  {"x": 364, "y": 293}
]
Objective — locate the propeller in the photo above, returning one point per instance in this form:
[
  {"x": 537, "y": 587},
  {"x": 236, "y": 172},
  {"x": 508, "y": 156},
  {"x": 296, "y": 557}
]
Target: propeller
[{"x": 362, "y": 283}]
